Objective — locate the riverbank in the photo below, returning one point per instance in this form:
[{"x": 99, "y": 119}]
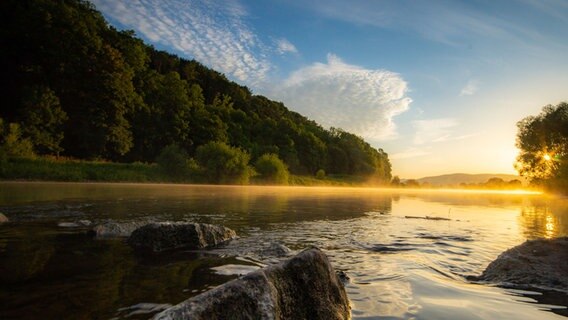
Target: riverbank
[{"x": 72, "y": 170}]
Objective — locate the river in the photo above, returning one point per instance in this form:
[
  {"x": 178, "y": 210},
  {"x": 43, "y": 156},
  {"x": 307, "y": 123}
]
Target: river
[{"x": 400, "y": 265}]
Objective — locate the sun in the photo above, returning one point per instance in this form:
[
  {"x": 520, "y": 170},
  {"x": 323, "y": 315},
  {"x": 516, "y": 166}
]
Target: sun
[{"x": 547, "y": 157}]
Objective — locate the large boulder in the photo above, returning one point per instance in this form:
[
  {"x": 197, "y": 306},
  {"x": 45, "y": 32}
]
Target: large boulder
[
  {"x": 538, "y": 263},
  {"x": 162, "y": 236},
  {"x": 3, "y": 218},
  {"x": 303, "y": 287}
]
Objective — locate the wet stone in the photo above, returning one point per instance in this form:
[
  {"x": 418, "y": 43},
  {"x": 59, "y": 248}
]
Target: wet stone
[
  {"x": 163, "y": 236},
  {"x": 539, "y": 263}
]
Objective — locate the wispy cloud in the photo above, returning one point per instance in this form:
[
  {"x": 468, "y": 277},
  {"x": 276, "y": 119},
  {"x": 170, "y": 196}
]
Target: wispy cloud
[
  {"x": 410, "y": 153},
  {"x": 433, "y": 130},
  {"x": 470, "y": 88},
  {"x": 346, "y": 96},
  {"x": 437, "y": 130},
  {"x": 284, "y": 46},
  {"x": 444, "y": 21},
  {"x": 214, "y": 33}
]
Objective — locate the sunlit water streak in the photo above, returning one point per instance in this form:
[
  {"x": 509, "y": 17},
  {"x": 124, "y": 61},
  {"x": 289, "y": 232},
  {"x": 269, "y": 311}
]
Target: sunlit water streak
[{"x": 401, "y": 266}]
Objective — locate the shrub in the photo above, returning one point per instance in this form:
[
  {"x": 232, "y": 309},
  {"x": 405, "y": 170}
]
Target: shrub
[
  {"x": 320, "y": 174},
  {"x": 222, "y": 163},
  {"x": 272, "y": 169},
  {"x": 174, "y": 162},
  {"x": 11, "y": 142}
]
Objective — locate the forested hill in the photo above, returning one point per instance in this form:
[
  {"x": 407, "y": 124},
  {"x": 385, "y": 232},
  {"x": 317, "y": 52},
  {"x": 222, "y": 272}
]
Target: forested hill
[{"x": 73, "y": 85}]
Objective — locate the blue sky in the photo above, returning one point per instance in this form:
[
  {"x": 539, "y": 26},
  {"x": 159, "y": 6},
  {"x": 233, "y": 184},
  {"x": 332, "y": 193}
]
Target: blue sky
[{"x": 439, "y": 85}]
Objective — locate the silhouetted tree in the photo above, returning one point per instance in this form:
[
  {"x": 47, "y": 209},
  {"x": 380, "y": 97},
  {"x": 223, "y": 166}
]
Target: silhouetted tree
[{"x": 543, "y": 144}]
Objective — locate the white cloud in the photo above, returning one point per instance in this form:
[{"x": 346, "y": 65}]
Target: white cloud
[
  {"x": 346, "y": 96},
  {"x": 214, "y": 33},
  {"x": 470, "y": 88},
  {"x": 284, "y": 46}
]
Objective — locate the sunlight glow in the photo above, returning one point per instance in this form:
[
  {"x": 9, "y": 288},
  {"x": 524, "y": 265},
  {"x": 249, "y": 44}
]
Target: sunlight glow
[
  {"x": 547, "y": 157},
  {"x": 549, "y": 227}
]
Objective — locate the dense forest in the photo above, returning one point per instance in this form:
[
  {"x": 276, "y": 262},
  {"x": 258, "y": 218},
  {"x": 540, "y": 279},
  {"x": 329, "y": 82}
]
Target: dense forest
[{"x": 73, "y": 86}]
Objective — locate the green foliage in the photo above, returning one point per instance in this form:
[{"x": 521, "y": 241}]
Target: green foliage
[
  {"x": 174, "y": 162},
  {"x": 320, "y": 174},
  {"x": 543, "y": 144},
  {"x": 43, "y": 120},
  {"x": 224, "y": 164},
  {"x": 352, "y": 155},
  {"x": 11, "y": 142},
  {"x": 272, "y": 169}
]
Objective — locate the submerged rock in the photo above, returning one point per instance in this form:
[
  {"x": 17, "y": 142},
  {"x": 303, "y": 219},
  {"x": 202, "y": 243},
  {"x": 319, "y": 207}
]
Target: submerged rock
[
  {"x": 537, "y": 263},
  {"x": 162, "y": 236},
  {"x": 76, "y": 224},
  {"x": 275, "y": 249},
  {"x": 3, "y": 218},
  {"x": 116, "y": 229},
  {"x": 303, "y": 287}
]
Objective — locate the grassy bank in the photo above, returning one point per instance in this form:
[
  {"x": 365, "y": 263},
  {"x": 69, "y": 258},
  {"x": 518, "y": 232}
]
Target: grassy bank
[
  {"x": 50, "y": 169},
  {"x": 53, "y": 169}
]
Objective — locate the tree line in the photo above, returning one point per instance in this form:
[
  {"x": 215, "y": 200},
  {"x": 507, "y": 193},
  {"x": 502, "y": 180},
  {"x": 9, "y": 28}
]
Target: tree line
[{"x": 74, "y": 86}]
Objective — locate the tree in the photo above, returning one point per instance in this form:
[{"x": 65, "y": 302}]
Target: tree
[
  {"x": 174, "y": 162},
  {"x": 272, "y": 169},
  {"x": 43, "y": 120},
  {"x": 395, "y": 181},
  {"x": 495, "y": 183},
  {"x": 411, "y": 183},
  {"x": 224, "y": 164},
  {"x": 543, "y": 144}
]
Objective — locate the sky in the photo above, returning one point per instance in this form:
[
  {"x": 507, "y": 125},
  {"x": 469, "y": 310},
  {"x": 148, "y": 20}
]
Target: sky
[{"x": 438, "y": 85}]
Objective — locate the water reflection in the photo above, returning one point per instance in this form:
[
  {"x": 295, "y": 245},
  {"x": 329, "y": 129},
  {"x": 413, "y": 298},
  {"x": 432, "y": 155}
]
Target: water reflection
[{"x": 544, "y": 219}]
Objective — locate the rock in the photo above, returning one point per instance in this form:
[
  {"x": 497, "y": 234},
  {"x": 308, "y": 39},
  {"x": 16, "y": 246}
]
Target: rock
[
  {"x": 117, "y": 230},
  {"x": 77, "y": 224},
  {"x": 3, "y": 218},
  {"x": 303, "y": 287},
  {"x": 343, "y": 277},
  {"x": 162, "y": 236},
  {"x": 275, "y": 249},
  {"x": 538, "y": 263}
]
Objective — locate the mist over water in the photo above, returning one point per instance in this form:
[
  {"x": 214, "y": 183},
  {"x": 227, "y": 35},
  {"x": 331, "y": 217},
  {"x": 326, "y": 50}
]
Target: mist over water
[{"x": 400, "y": 264}]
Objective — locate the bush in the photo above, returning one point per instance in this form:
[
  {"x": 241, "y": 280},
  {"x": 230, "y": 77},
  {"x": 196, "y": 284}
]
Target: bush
[
  {"x": 11, "y": 142},
  {"x": 224, "y": 164},
  {"x": 320, "y": 174},
  {"x": 174, "y": 161},
  {"x": 272, "y": 169}
]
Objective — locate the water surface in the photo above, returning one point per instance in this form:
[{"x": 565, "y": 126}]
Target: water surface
[{"x": 401, "y": 265}]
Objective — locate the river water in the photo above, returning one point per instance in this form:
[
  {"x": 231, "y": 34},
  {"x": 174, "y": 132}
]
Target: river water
[{"x": 400, "y": 265}]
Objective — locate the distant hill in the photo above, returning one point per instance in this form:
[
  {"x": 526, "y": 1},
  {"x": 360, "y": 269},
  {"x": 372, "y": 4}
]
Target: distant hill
[{"x": 458, "y": 178}]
